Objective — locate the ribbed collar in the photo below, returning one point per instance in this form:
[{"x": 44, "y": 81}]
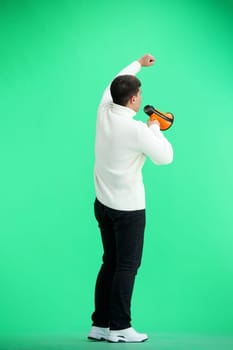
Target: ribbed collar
[{"x": 122, "y": 110}]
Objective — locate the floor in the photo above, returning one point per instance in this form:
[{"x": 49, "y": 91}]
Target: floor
[{"x": 155, "y": 342}]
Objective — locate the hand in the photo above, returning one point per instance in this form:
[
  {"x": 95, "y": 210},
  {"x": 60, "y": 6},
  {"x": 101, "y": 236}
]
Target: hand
[
  {"x": 146, "y": 60},
  {"x": 151, "y": 122}
]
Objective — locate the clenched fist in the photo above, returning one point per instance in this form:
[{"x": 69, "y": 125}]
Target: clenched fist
[{"x": 146, "y": 60}]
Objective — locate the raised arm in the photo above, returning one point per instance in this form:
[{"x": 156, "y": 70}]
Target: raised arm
[{"x": 132, "y": 69}]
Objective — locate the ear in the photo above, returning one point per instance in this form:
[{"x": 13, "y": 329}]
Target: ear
[{"x": 133, "y": 99}]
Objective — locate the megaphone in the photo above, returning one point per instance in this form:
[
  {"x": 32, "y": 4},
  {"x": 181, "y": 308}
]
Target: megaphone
[{"x": 165, "y": 119}]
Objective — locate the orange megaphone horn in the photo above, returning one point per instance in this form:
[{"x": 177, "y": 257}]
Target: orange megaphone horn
[{"x": 165, "y": 119}]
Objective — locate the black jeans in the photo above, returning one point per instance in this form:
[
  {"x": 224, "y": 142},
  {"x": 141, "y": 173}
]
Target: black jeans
[{"x": 122, "y": 235}]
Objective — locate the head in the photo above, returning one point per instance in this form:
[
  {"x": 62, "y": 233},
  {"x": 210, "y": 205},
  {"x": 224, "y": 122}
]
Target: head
[{"x": 125, "y": 91}]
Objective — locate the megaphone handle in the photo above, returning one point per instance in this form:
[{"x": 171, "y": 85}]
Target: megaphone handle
[{"x": 161, "y": 115}]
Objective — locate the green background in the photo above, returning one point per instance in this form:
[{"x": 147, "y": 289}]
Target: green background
[{"x": 56, "y": 57}]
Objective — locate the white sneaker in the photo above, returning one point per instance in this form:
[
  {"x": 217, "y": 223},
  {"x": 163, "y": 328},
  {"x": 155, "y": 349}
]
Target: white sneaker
[
  {"x": 128, "y": 335},
  {"x": 98, "y": 333}
]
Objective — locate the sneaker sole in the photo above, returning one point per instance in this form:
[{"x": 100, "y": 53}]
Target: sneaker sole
[
  {"x": 96, "y": 339},
  {"x": 126, "y": 341}
]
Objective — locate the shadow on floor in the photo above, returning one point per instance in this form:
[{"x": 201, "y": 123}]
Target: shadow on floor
[{"x": 80, "y": 342}]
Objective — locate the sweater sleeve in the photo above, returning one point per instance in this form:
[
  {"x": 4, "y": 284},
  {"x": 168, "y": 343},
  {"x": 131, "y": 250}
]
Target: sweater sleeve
[
  {"x": 132, "y": 69},
  {"x": 153, "y": 144}
]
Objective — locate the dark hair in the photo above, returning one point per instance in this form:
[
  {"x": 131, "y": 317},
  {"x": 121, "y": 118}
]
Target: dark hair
[{"x": 123, "y": 87}]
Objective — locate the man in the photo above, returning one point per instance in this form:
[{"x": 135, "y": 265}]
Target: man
[{"x": 121, "y": 147}]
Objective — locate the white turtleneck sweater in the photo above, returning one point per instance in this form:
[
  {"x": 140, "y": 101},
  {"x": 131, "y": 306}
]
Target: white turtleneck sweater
[{"x": 121, "y": 147}]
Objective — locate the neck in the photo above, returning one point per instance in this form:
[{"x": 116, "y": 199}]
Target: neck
[{"x": 131, "y": 106}]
